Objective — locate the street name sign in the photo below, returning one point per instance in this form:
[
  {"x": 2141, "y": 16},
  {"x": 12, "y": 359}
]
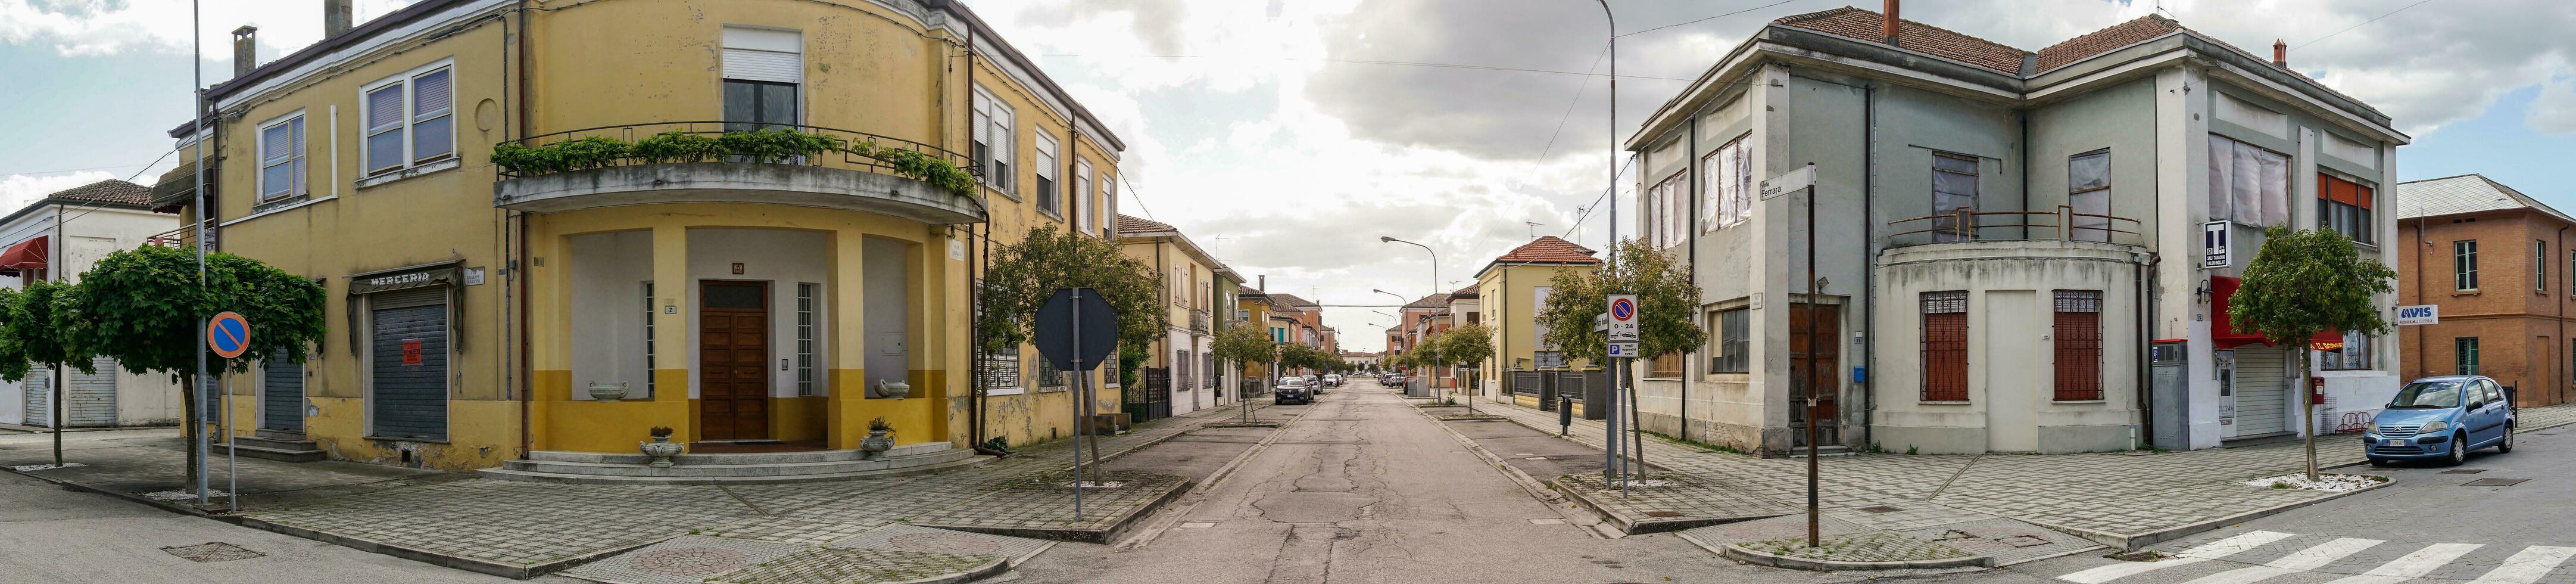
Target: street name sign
[{"x": 1789, "y": 182}]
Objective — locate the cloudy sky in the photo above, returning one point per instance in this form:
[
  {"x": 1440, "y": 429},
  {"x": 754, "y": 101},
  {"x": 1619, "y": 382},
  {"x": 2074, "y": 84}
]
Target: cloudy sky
[{"x": 1288, "y": 135}]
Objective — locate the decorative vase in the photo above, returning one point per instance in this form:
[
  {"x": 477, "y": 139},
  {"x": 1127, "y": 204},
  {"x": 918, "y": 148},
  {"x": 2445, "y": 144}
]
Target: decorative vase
[
  {"x": 661, "y": 449},
  {"x": 608, "y": 392},
  {"x": 876, "y": 444}
]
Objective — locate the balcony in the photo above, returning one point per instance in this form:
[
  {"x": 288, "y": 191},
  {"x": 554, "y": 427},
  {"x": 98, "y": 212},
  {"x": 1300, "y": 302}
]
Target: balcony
[
  {"x": 1198, "y": 321},
  {"x": 1967, "y": 224},
  {"x": 701, "y": 162}
]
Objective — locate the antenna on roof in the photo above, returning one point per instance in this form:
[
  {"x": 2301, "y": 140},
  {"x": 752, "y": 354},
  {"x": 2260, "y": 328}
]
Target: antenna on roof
[{"x": 1533, "y": 225}]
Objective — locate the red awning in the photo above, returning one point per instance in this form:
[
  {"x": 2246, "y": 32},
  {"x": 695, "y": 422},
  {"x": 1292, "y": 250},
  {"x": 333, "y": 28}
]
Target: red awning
[
  {"x": 2222, "y": 330},
  {"x": 26, "y": 255}
]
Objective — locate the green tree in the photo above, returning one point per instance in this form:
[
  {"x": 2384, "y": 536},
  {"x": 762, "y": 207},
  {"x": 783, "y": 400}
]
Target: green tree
[
  {"x": 35, "y": 328},
  {"x": 2307, "y": 281},
  {"x": 1241, "y": 344},
  {"x": 1471, "y": 344},
  {"x": 145, "y": 307},
  {"x": 1666, "y": 297},
  {"x": 1024, "y": 274}
]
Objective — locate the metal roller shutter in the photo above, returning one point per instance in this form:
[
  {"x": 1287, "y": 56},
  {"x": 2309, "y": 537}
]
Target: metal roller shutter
[
  {"x": 408, "y": 364},
  {"x": 281, "y": 396},
  {"x": 40, "y": 396},
  {"x": 92, "y": 400},
  {"x": 2262, "y": 390}
]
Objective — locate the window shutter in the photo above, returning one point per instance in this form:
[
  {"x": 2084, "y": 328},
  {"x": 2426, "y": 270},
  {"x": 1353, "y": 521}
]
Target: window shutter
[
  {"x": 433, "y": 94},
  {"x": 753, "y": 54}
]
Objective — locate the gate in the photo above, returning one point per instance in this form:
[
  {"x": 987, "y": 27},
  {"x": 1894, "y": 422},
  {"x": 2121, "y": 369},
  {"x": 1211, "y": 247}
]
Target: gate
[{"x": 1155, "y": 399}]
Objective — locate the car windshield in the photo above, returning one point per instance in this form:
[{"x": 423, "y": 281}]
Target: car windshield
[
  {"x": 2427, "y": 394},
  {"x": 1293, "y": 381}
]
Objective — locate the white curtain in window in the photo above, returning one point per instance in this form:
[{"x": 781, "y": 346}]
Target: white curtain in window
[{"x": 2247, "y": 184}]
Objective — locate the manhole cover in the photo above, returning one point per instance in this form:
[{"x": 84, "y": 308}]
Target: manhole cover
[
  {"x": 1882, "y": 509},
  {"x": 213, "y": 552},
  {"x": 2465, "y": 471},
  {"x": 2495, "y": 482},
  {"x": 692, "y": 562},
  {"x": 2023, "y": 541},
  {"x": 1662, "y": 514}
]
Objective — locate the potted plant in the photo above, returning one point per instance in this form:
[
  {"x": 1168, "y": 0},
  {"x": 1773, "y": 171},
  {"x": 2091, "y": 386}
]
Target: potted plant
[
  {"x": 661, "y": 448},
  {"x": 608, "y": 392},
  {"x": 880, "y": 438}
]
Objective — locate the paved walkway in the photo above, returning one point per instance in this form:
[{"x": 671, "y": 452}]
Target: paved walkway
[
  {"x": 2123, "y": 494},
  {"x": 510, "y": 523}
]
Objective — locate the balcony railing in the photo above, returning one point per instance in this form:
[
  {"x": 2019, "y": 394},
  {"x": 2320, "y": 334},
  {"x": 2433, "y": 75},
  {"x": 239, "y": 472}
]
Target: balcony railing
[
  {"x": 1965, "y": 224},
  {"x": 864, "y": 151},
  {"x": 1198, "y": 321}
]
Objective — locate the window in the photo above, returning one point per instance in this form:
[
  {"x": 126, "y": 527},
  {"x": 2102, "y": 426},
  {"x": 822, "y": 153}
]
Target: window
[
  {"x": 1734, "y": 344},
  {"x": 1954, "y": 188},
  {"x": 805, "y": 338},
  {"x": 2540, "y": 265},
  {"x": 2247, "y": 184},
  {"x": 758, "y": 105},
  {"x": 1103, "y": 207},
  {"x": 2079, "y": 345},
  {"x": 1665, "y": 203},
  {"x": 1729, "y": 188},
  {"x": 1181, "y": 365},
  {"x": 2344, "y": 207},
  {"x": 993, "y": 140},
  {"x": 1666, "y": 366},
  {"x": 2354, "y": 355},
  {"x": 2088, "y": 190},
  {"x": 410, "y": 119},
  {"x": 1945, "y": 346},
  {"x": 2466, "y": 352},
  {"x": 2464, "y": 265},
  {"x": 281, "y": 159},
  {"x": 1049, "y": 377},
  {"x": 1082, "y": 195},
  {"x": 1046, "y": 161}
]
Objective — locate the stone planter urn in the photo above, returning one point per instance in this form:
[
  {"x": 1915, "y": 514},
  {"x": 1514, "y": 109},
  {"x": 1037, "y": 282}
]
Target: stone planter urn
[
  {"x": 661, "y": 448},
  {"x": 880, "y": 439},
  {"x": 893, "y": 390},
  {"x": 608, "y": 392}
]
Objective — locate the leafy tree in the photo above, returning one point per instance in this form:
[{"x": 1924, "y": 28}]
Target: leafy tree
[
  {"x": 34, "y": 329},
  {"x": 1666, "y": 297},
  {"x": 1024, "y": 274},
  {"x": 1471, "y": 344},
  {"x": 2305, "y": 282},
  {"x": 1241, "y": 344},
  {"x": 144, "y": 307}
]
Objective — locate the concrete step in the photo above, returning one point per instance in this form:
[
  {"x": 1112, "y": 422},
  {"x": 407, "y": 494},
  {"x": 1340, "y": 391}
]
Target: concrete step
[
  {"x": 735, "y": 458},
  {"x": 271, "y": 453},
  {"x": 684, "y": 468},
  {"x": 506, "y": 474},
  {"x": 279, "y": 435},
  {"x": 275, "y": 444}
]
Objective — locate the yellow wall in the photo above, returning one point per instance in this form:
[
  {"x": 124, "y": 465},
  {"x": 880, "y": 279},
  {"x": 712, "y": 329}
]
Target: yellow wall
[
  {"x": 620, "y": 62},
  {"x": 1507, "y": 298}
]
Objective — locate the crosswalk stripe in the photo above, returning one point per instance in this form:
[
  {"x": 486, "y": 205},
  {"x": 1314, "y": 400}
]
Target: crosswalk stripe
[
  {"x": 2423, "y": 561},
  {"x": 2324, "y": 553},
  {"x": 2247, "y": 575},
  {"x": 2234, "y": 545},
  {"x": 2529, "y": 565},
  {"x": 2124, "y": 570},
  {"x": 2369, "y": 579}
]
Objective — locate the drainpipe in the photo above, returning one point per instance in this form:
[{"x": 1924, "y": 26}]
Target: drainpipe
[
  {"x": 2146, "y": 310},
  {"x": 1869, "y": 256},
  {"x": 518, "y": 263},
  {"x": 1691, "y": 159},
  {"x": 2419, "y": 293}
]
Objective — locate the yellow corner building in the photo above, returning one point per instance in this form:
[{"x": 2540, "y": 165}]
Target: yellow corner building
[{"x": 480, "y": 316}]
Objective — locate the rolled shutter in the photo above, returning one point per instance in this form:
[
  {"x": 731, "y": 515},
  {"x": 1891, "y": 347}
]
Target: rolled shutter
[{"x": 753, "y": 54}]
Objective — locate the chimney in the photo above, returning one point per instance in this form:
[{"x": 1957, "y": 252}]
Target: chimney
[
  {"x": 245, "y": 50},
  {"x": 1264, "y": 285},
  {"x": 1887, "y": 23},
  {"x": 2280, "y": 53},
  {"x": 335, "y": 17}
]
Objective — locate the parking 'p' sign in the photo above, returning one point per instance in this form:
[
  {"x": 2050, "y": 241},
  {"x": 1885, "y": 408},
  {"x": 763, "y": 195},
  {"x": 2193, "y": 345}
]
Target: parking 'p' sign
[{"x": 228, "y": 334}]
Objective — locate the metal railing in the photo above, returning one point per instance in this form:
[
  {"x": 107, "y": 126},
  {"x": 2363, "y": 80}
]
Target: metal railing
[
  {"x": 631, "y": 133},
  {"x": 1198, "y": 321},
  {"x": 2063, "y": 224}
]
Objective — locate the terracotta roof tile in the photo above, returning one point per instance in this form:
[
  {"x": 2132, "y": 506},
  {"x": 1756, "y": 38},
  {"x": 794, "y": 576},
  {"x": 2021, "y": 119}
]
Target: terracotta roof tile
[
  {"x": 1286, "y": 299},
  {"x": 1864, "y": 25},
  {"x": 2106, "y": 40},
  {"x": 1132, "y": 224},
  {"x": 108, "y": 191},
  {"x": 1550, "y": 249}
]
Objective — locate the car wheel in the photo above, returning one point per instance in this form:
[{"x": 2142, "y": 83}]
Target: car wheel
[
  {"x": 2505, "y": 444},
  {"x": 2459, "y": 451},
  {"x": 2379, "y": 462}
]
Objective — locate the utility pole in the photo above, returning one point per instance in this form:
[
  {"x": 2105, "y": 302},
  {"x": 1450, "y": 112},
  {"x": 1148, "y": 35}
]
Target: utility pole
[{"x": 1814, "y": 521}]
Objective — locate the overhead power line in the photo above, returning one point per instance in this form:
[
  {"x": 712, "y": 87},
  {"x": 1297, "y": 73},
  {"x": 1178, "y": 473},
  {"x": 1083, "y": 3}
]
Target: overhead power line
[
  {"x": 2349, "y": 28},
  {"x": 1706, "y": 19}
]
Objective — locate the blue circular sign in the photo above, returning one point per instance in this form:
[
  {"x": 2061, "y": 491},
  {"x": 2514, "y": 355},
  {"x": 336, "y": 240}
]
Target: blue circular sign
[
  {"x": 1622, "y": 309},
  {"x": 228, "y": 334}
]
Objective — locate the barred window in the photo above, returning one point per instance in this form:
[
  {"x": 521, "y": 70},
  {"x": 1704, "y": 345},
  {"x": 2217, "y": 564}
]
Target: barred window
[
  {"x": 2079, "y": 345},
  {"x": 1945, "y": 346}
]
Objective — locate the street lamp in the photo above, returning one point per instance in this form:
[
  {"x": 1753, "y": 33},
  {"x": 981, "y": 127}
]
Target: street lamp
[
  {"x": 1399, "y": 298},
  {"x": 1435, "y": 256}
]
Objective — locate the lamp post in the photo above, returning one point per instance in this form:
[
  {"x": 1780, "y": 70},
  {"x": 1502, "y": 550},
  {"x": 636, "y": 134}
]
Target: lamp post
[{"x": 1435, "y": 256}]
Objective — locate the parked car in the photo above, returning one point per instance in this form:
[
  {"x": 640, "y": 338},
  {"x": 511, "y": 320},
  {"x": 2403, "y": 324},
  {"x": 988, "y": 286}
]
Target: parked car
[
  {"x": 2441, "y": 418},
  {"x": 1291, "y": 390},
  {"x": 1333, "y": 380}
]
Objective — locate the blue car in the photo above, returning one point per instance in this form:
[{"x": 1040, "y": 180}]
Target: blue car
[{"x": 2441, "y": 418}]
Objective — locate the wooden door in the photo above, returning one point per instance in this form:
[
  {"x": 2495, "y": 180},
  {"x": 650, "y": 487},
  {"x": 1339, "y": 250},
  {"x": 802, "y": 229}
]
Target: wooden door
[
  {"x": 1815, "y": 367},
  {"x": 733, "y": 357}
]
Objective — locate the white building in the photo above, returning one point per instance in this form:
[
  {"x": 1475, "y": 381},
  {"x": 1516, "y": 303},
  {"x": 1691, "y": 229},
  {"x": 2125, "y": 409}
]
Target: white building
[
  {"x": 2001, "y": 235},
  {"x": 58, "y": 238}
]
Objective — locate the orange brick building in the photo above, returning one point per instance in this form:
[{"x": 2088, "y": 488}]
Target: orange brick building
[{"x": 2496, "y": 262}]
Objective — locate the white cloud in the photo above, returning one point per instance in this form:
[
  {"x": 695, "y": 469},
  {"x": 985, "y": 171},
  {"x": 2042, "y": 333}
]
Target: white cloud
[
  {"x": 107, "y": 27},
  {"x": 2554, "y": 111},
  {"x": 20, "y": 190}
]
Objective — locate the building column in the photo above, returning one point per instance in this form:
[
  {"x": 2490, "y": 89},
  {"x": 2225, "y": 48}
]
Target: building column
[
  {"x": 846, "y": 355},
  {"x": 672, "y": 339}
]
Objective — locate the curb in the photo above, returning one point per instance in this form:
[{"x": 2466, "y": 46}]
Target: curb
[
  {"x": 1646, "y": 527},
  {"x": 511, "y": 571},
  {"x": 2133, "y": 542},
  {"x": 1104, "y": 536},
  {"x": 1739, "y": 553},
  {"x": 997, "y": 566},
  {"x": 1544, "y": 492}
]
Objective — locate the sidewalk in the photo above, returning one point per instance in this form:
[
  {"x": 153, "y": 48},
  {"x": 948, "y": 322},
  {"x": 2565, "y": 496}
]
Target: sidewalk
[
  {"x": 2124, "y": 499},
  {"x": 519, "y": 529}
]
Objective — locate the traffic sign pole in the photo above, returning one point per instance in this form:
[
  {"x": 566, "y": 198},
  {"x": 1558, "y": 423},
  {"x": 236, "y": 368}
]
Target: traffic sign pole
[{"x": 227, "y": 336}]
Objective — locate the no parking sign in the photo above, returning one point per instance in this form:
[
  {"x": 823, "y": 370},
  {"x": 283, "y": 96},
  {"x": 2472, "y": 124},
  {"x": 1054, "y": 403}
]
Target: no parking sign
[{"x": 228, "y": 334}]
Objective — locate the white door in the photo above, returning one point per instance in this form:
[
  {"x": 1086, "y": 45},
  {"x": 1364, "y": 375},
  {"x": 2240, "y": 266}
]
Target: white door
[{"x": 2262, "y": 392}]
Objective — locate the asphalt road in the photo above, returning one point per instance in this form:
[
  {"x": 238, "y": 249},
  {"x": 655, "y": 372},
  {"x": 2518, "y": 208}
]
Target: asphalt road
[
  {"x": 52, "y": 535},
  {"x": 1364, "y": 489}
]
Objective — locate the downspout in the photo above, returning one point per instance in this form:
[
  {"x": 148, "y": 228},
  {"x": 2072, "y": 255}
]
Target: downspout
[
  {"x": 518, "y": 263},
  {"x": 1869, "y": 256},
  {"x": 2146, "y": 309},
  {"x": 2025, "y": 176},
  {"x": 2419, "y": 293}
]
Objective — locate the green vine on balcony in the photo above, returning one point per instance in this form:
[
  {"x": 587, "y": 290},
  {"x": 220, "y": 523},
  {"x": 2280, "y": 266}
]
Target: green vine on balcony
[{"x": 765, "y": 146}]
